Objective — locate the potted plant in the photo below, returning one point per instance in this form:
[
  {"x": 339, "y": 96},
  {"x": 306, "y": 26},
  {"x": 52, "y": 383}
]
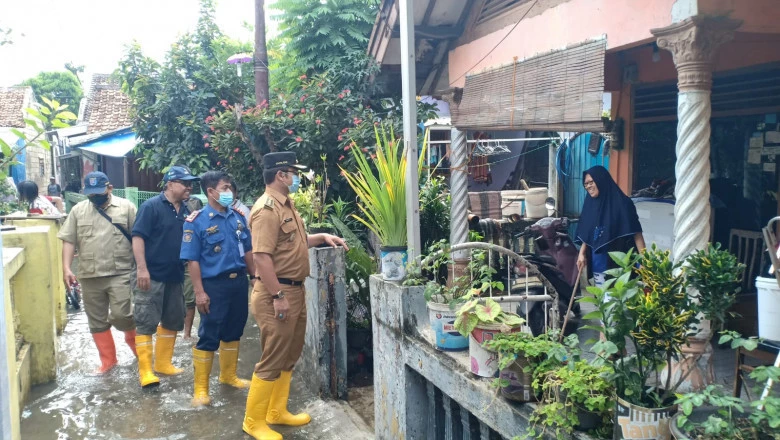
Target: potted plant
[
  {"x": 480, "y": 319},
  {"x": 715, "y": 274},
  {"x": 712, "y": 414},
  {"x": 523, "y": 358},
  {"x": 575, "y": 396},
  {"x": 441, "y": 299},
  {"x": 318, "y": 206},
  {"x": 653, "y": 313},
  {"x": 382, "y": 197}
]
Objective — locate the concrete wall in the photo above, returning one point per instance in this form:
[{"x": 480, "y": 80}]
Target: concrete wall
[
  {"x": 745, "y": 51},
  {"x": 323, "y": 365},
  {"x": 36, "y": 156},
  {"x": 407, "y": 370},
  {"x": 34, "y": 299},
  {"x": 54, "y": 263},
  {"x": 399, "y": 409},
  {"x": 623, "y": 22},
  {"x": 14, "y": 373}
]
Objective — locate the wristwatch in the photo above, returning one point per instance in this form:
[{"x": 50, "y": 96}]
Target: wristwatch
[{"x": 279, "y": 295}]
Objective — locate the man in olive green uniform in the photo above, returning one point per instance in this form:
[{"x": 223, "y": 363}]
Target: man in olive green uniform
[
  {"x": 280, "y": 250},
  {"x": 100, "y": 228}
]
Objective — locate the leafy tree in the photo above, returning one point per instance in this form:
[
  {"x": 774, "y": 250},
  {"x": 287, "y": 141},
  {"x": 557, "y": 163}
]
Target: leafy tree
[
  {"x": 170, "y": 101},
  {"x": 319, "y": 35},
  {"x": 75, "y": 69},
  {"x": 61, "y": 86},
  {"x": 38, "y": 121},
  {"x": 5, "y": 36},
  {"x": 316, "y": 119}
]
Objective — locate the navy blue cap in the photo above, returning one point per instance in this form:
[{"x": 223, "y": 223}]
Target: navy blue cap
[
  {"x": 281, "y": 159},
  {"x": 179, "y": 173},
  {"x": 95, "y": 183}
]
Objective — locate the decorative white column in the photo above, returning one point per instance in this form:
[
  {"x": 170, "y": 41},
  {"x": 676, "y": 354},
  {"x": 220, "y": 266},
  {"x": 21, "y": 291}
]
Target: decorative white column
[
  {"x": 459, "y": 191},
  {"x": 693, "y": 44}
]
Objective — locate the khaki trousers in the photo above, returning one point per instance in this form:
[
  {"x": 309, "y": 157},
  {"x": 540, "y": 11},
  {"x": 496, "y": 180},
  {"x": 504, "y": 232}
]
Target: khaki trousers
[
  {"x": 282, "y": 340},
  {"x": 107, "y": 302}
]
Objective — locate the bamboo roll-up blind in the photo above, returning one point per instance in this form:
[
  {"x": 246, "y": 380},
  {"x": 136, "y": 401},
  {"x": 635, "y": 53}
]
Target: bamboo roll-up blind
[{"x": 556, "y": 91}]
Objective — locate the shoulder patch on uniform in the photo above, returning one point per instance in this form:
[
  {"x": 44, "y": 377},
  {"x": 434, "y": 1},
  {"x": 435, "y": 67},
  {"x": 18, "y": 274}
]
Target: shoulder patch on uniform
[
  {"x": 238, "y": 212},
  {"x": 268, "y": 203},
  {"x": 190, "y": 218},
  {"x": 187, "y": 236}
]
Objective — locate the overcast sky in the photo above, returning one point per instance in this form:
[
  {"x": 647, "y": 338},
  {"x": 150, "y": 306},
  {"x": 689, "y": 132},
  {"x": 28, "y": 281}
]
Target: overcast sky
[{"x": 94, "y": 32}]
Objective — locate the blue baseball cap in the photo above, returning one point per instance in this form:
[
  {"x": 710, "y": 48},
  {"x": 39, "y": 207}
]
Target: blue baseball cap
[
  {"x": 179, "y": 173},
  {"x": 95, "y": 183}
]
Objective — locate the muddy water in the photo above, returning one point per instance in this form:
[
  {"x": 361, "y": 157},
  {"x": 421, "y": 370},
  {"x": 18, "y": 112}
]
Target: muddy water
[{"x": 82, "y": 406}]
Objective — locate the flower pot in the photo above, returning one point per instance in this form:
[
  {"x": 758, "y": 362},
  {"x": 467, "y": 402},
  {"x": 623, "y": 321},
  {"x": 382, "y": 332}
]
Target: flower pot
[
  {"x": 637, "y": 422},
  {"x": 442, "y": 320},
  {"x": 519, "y": 388},
  {"x": 320, "y": 230},
  {"x": 699, "y": 415},
  {"x": 393, "y": 262},
  {"x": 484, "y": 362},
  {"x": 588, "y": 420},
  {"x": 695, "y": 365}
]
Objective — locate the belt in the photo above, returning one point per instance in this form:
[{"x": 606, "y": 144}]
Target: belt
[
  {"x": 289, "y": 282},
  {"x": 229, "y": 275}
]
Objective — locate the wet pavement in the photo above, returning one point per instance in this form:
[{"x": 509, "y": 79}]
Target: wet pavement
[{"x": 82, "y": 406}]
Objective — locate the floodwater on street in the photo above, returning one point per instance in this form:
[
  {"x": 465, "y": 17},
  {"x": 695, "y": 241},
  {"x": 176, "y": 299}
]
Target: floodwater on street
[{"x": 82, "y": 406}]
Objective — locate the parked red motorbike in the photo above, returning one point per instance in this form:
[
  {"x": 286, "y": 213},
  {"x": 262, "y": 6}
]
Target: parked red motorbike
[{"x": 556, "y": 257}]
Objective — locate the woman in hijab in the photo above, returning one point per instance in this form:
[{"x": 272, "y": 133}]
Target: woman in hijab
[{"x": 608, "y": 223}]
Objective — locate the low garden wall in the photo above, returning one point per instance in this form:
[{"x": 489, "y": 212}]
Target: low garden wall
[{"x": 423, "y": 393}]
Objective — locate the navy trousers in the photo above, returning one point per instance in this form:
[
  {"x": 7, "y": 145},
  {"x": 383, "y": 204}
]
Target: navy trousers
[{"x": 228, "y": 311}]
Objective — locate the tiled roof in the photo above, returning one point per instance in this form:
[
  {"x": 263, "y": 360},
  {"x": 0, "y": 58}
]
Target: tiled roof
[
  {"x": 12, "y": 105},
  {"x": 108, "y": 110}
]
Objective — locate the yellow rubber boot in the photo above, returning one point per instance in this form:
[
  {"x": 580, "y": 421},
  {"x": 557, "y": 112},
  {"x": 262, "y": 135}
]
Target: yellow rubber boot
[
  {"x": 228, "y": 363},
  {"x": 277, "y": 410},
  {"x": 163, "y": 352},
  {"x": 256, "y": 409},
  {"x": 202, "y": 361},
  {"x": 143, "y": 346}
]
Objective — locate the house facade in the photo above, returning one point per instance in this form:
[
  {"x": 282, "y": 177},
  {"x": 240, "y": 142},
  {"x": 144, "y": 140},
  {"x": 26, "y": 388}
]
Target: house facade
[
  {"x": 35, "y": 163},
  {"x": 103, "y": 140},
  {"x": 688, "y": 89}
]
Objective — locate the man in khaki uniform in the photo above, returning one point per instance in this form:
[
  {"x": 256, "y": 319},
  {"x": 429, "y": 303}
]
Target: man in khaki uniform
[
  {"x": 100, "y": 228},
  {"x": 280, "y": 247}
]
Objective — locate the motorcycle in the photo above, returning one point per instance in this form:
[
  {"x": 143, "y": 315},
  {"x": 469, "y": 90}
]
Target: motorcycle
[
  {"x": 73, "y": 296},
  {"x": 555, "y": 255}
]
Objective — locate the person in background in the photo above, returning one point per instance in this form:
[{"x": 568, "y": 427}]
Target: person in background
[
  {"x": 280, "y": 246},
  {"x": 100, "y": 227},
  {"x": 217, "y": 245},
  {"x": 159, "y": 300},
  {"x": 53, "y": 190},
  {"x": 608, "y": 223},
  {"x": 194, "y": 204},
  {"x": 243, "y": 209},
  {"x": 35, "y": 203}
]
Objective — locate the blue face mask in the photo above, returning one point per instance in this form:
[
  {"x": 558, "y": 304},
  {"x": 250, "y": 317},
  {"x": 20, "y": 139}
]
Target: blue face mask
[
  {"x": 296, "y": 183},
  {"x": 225, "y": 198}
]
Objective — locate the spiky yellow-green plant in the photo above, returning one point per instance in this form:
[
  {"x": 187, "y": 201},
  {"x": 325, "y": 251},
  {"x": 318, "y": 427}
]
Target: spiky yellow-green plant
[{"x": 381, "y": 188}]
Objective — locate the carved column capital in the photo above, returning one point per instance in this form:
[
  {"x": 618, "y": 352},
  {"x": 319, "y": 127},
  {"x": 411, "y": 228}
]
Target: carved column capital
[{"x": 693, "y": 44}]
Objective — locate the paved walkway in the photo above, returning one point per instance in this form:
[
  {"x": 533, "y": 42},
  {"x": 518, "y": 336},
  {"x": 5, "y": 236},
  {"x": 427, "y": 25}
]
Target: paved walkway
[{"x": 80, "y": 406}]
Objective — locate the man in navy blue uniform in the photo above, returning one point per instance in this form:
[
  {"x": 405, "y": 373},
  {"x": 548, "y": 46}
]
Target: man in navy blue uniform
[
  {"x": 159, "y": 300},
  {"x": 218, "y": 247}
]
